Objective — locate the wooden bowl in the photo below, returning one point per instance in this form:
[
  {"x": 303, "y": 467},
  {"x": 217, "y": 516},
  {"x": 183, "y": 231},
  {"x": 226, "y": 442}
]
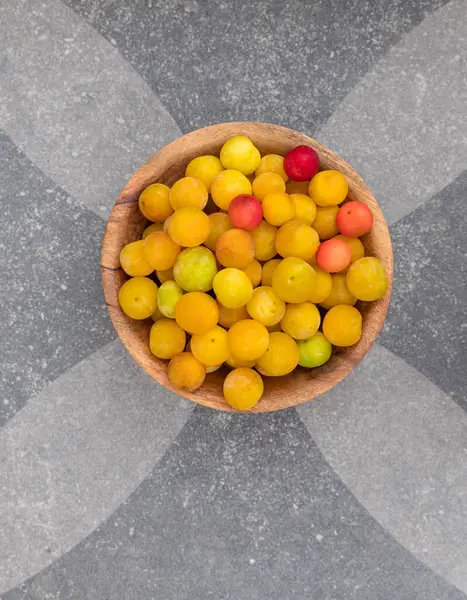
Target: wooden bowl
[{"x": 126, "y": 224}]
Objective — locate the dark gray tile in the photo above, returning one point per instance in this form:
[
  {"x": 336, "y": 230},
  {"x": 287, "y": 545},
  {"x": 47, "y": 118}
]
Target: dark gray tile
[
  {"x": 238, "y": 60},
  {"x": 427, "y": 321},
  {"x": 240, "y": 507},
  {"x": 52, "y": 312}
]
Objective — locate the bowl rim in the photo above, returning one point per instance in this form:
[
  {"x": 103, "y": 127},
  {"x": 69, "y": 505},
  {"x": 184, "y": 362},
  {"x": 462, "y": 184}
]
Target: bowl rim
[{"x": 112, "y": 273}]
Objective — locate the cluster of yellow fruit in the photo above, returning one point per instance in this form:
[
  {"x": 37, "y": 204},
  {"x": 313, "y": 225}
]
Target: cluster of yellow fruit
[{"x": 236, "y": 258}]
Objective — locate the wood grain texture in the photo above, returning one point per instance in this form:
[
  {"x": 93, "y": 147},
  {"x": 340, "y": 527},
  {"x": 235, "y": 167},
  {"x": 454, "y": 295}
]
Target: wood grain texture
[{"x": 126, "y": 224}]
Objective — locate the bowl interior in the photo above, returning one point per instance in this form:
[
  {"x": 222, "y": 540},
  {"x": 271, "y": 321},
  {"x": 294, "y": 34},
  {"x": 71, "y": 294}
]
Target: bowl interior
[{"x": 126, "y": 224}]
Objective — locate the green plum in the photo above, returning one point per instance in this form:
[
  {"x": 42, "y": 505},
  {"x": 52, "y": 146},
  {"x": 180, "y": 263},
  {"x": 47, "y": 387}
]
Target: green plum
[
  {"x": 167, "y": 297},
  {"x": 194, "y": 269},
  {"x": 314, "y": 351}
]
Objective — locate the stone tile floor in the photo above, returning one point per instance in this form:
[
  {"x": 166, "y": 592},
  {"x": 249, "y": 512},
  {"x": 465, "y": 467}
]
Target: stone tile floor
[{"x": 110, "y": 486}]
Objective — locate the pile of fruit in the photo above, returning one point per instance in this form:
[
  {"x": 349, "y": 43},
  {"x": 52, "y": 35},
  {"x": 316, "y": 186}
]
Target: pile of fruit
[{"x": 247, "y": 257}]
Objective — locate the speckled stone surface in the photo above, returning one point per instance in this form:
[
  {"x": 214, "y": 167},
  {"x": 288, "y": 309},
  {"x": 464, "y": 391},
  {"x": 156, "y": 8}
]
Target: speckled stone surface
[{"x": 112, "y": 487}]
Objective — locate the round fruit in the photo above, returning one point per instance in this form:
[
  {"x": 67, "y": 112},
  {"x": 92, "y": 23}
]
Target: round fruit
[
  {"x": 248, "y": 340},
  {"x": 227, "y": 185},
  {"x": 132, "y": 260},
  {"x": 339, "y": 293},
  {"x": 196, "y": 313},
  {"x": 189, "y": 226},
  {"x": 333, "y": 255},
  {"x": 268, "y": 270},
  {"x": 160, "y": 251},
  {"x": 138, "y": 297},
  {"x": 297, "y": 239},
  {"x": 354, "y": 219},
  {"x": 297, "y": 187},
  {"x": 267, "y": 183},
  {"x": 328, "y": 188},
  {"x": 325, "y": 222},
  {"x": 235, "y": 248},
  {"x": 235, "y": 363},
  {"x": 165, "y": 275},
  {"x": 272, "y": 163},
  {"x": 315, "y": 351},
  {"x": 366, "y": 279},
  {"x": 243, "y": 388},
  {"x": 241, "y": 154},
  {"x": 154, "y": 202},
  {"x": 301, "y": 163},
  {"x": 281, "y": 356},
  {"x": 205, "y": 168},
  {"x": 188, "y": 191},
  {"x": 265, "y": 306},
  {"x": 264, "y": 237},
  {"x": 305, "y": 208},
  {"x": 229, "y": 316},
  {"x": 357, "y": 249},
  {"x": 185, "y": 371},
  {"x": 245, "y": 212},
  {"x": 166, "y": 339},
  {"x": 323, "y": 286},
  {"x": 278, "y": 208},
  {"x": 194, "y": 269},
  {"x": 220, "y": 223},
  {"x": 342, "y": 325},
  {"x": 151, "y": 229},
  {"x": 254, "y": 272},
  {"x": 211, "y": 348},
  {"x": 156, "y": 315},
  {"x": 301, "y": 321},
  {"x": 232, "y": 288},
  {"x": 167, "y": 297},
  {"x": 293, "y": 280}
]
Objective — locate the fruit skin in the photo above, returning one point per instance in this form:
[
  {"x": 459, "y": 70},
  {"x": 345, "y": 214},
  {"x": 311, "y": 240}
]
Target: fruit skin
[
  {"x": 235, "y": 363},
  {"x": 254, "y": 272},
  {"x": 272, "y": 163},
  {"x": 267, "y": 183},
  {"x": 166, "y": 339},
  {"x": 188, "y": 191},
  {"x": 268, "y": 269},
  {"x": 278, "y": 208},
  {"x": 297, "y": 187},
  {"x": 297, "y": 239},
  {"x": 229, "y": 316},
  {"x": 151, "y": 229},
  {"x": 211, "y": 348},
  {"x": 315, "y": 351},
  {"x": 232, "y": 287},
  {"x": 305, "y": 208},
  {"x": 220, "y": 223},
  {"x": 325, "y": 222},
  {"x": 339, "y": 293},
  {"x": 333, "y": 256},
  {"x": 265, "y": 306},
  {"x": 281, "y": 356},
  {"x": 189, "y": 226},
  {"x": 245, "y": 212},
  {"x": 354, "y": 219},
  {"x": 165, "y": 275},
  {"x": 301, "y": 321},
  {"x": 185, "y": 371},
  {"x": 235, "y": 248},
  {"x": 342, "y": 325},
  {"x": 167, "y": 297},
  {"x": 357, "y": 249},
  {"x": 132, "y": 260},
  {"x": 138, "y": 297},
  {"x": 196, "y": 312},
  {"x": 264, "y": 238},
  {"x": 323, "y": 286},
  {"x": 154, "y": 202},
  {"x": 241, "y": 154},
  {"x": 366, "y": 279},
  {"x": 227, "y": 185},
  {"x": 247, "y": 339},
  {"x": 243, "y": 388},
  {"x": 205, "y": 168},
  {"x": 293, "y": 280},
  {"x": 160, "y": 251},
  {"x": 156, "y": 315},
  {"x": 328, "y": 188},
  {"x": 301, "y": 163},
  {"x": 194, "y": 269}
]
